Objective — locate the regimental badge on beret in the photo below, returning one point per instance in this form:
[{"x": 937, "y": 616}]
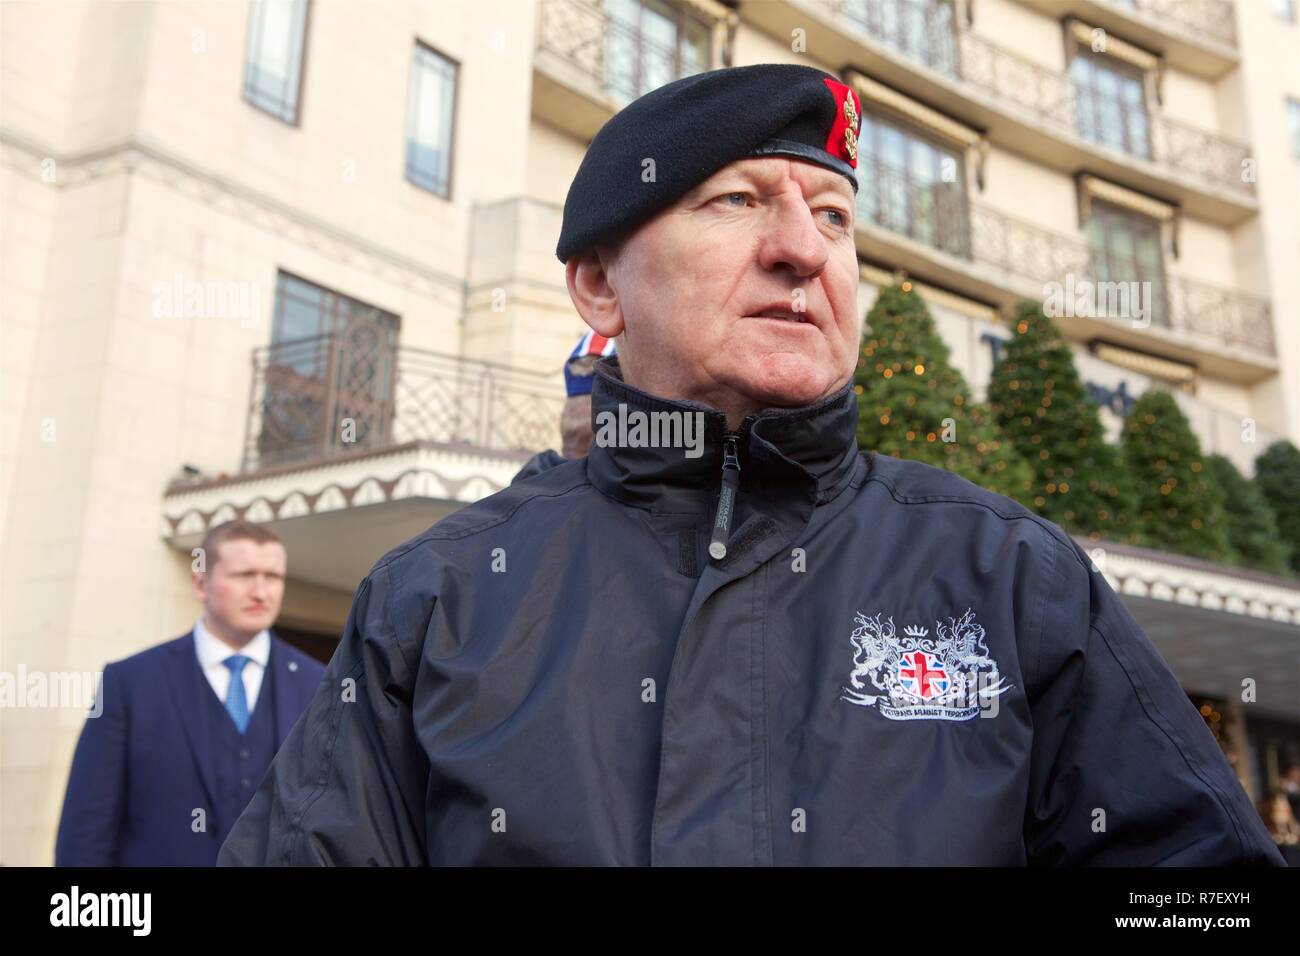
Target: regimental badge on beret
[
  {"x": 843, "y": 137},
  {"x": 851, "y": 134},
  {"x": 693, "y": 127}
]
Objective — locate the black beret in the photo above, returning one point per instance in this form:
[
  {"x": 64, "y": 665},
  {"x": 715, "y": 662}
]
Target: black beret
[{"x": 693, "y": 127}]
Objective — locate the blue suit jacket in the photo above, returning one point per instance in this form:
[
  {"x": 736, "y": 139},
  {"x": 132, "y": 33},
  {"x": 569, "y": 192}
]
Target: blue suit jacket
[{"x": 145, "y": 764}]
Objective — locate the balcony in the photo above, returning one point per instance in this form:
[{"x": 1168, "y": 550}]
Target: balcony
[
  {"x": 1209, "y": 19},
  {"x": 935, "y": 234},
  {"x": 329, "y": 396},
  {"x": 1196, "y": 36},
  {"x": 353, "y": 446},
  {"x": 588, "y": 65},
  {"x": 1021, "y": 105}
]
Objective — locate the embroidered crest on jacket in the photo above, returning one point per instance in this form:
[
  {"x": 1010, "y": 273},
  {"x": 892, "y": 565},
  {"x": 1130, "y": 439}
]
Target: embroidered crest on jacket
[{"x": 946, "y": 677}]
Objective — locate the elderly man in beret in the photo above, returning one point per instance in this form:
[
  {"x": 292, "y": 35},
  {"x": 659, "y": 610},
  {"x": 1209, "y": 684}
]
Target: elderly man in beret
[{"x": 728, "y": 636}]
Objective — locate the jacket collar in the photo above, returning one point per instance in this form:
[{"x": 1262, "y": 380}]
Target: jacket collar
[{"x": 791, "y": 459}]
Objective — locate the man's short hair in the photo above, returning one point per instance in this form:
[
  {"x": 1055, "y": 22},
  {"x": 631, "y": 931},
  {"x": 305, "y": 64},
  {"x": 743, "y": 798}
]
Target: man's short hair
[{"x": 237, "y": 530}]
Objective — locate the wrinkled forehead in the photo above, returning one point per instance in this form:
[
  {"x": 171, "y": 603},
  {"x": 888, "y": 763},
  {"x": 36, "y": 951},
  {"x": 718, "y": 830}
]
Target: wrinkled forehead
[{"x": 771, "y": 171}]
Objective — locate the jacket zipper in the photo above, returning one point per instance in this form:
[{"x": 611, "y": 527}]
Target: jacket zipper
[{"x": 727, "y": 499}]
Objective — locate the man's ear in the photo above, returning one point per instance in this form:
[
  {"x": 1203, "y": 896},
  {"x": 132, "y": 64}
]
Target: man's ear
[{"x": 593, "y": 295}]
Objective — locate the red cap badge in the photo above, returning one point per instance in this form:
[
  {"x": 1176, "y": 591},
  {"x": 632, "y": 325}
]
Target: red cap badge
[{"x": 843, "y": 138}]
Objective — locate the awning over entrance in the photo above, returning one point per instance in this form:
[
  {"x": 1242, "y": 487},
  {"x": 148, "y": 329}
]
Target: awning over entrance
[
  {"x": 339, "y": 516},
  {"x": 1217, "y": 626}
]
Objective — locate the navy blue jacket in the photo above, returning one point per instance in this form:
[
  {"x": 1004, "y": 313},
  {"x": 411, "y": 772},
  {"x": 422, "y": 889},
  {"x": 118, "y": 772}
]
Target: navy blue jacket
[
  {"x": 146, "y": 763},
  {"x": 889, "y": 666},
  {"x": 542, "y": 461}
]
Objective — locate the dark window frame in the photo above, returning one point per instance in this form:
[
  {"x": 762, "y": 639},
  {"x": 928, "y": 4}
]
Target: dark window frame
[
  {"x": 1109, "y": 216},
  {"x": 414, "y": 178},
  {"x": 682, "y": 18},
  {"x": 1293, "y": 125},
  {"x": 939, "y": 51},
  {"x": 304, "y": 376},
  {"x": 299, "y": 87},
  {"x": 1125, "y": 71},
  {"x": 870, "y": 164},
  {"x": 332, "y": 309}
]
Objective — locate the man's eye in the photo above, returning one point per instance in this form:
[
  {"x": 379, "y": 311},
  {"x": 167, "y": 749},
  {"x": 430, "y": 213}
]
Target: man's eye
[
  {"x": 744, "y": 197},
  {"x": 843, "y": 221}
]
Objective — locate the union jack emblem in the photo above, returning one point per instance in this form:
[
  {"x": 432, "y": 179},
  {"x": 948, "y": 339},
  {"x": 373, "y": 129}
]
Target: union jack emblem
[
  {"x": 922, "y": 675},
  {"x": 914, "y": 676}
]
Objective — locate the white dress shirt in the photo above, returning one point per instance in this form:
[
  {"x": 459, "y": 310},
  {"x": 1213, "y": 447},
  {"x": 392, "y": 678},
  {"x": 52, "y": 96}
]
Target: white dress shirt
[{"x": 211, "y": 651}]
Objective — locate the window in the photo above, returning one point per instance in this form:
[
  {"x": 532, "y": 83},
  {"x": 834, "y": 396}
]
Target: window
[
  {"x": 1126, "y": 247},
  {"x": 331, "y": 360},
  {"x": 429, "y": 125},
  {"x": 277, "y": 31},
  {"x": 911, "y": 185},
  {"x": 921, "y": 29},
  {"x": 1111, "y": 104},
  {"x": 1284, "y": 10},
  {"x": 649, "y": 43},
  {"x": 1293, "y": 123}
]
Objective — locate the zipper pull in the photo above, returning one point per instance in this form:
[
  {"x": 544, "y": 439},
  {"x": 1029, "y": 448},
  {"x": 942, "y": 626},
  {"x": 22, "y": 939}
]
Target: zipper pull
[{"x": 727, "y": 500}]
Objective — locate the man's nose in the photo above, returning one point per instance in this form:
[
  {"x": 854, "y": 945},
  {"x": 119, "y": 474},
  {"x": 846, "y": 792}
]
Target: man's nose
[{"x": 791, "y": 239}]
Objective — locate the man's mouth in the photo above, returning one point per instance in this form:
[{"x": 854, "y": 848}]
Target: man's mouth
[{"x": 786, "y": 315}]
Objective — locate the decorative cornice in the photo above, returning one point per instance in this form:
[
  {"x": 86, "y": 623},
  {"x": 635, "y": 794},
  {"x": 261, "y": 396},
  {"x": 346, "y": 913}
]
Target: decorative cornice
[
  {"x": 415, "y": 470},
  {"x": 140, "y": 156},
  {"x": 1096, "y": 188},
  {"x": 1115, "y": 47},
  {"x": 1179, "y": 579},
  {"x": 333, "y": 496},
  {"x": 713, "y": 10},
  {"x": 892, "y": 100},
  {"x": 177, "y": 489},
  {"x": 1150, "y": 365}
]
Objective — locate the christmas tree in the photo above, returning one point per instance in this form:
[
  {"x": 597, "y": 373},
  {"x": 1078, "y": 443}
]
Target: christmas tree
[
  {"x": 914, "y": 404},
  {"x": 1252, "y": 527},
  {"x": 1277, "y": 473},
  {"x": 1042, "y": 406},
  {"x": 1180, "y": 506}
]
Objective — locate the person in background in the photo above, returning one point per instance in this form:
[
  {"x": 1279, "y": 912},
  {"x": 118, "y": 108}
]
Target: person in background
[
  {"x": 575, "y": 418},
  {"x": 1275, "y": 808},
  {"x": 1291, "y": 787},
  {"x": 190, "y": 726}
]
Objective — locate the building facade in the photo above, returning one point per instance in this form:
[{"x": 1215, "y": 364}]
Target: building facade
[{"x": 294, "y": 261}]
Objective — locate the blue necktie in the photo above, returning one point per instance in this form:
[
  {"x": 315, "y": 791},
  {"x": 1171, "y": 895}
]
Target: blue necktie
[{"x": 236, "y": 700}]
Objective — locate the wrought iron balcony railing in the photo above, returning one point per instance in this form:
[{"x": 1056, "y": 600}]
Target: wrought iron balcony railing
[
  {"x": 622, "y": 61},
  {"x": 1226, "y": 315},
  {"x": 1207, "y": 18},
  {"x": 1023, "y": 249},
  {"x": 926, "y": 33},
  {"x": 931, "y": 212},
  {"x": 1016, "y": 252},
  {"x": 317, "y": 398}
]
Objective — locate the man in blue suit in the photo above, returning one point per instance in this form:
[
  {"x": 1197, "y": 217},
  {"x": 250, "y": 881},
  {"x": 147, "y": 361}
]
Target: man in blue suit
[{"x": 190, "y": 726}]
